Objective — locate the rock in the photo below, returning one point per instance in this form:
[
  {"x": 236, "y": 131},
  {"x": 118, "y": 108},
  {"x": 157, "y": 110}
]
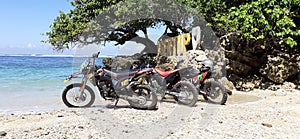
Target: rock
[
  {"x": 248, "y": 83},
  {"x": 171, "y": 132},
  {"x": 248, "y": 86},
  {"x": 45, "y": 133},
  {"x": 267, "y": 124},
  {"x": 165, "y": 63},
  {"x": 196, "y": 56},
  {"x": 38, "y": 128},
  {"x": 288, "y": 85},
  {"x": 3, "y": 133},
  {"x": 246, "y": 58},
  {"x": 123, "y": 63},
  {"x": 107, "y": 62},
  {"x": 239, "y": 68},
  {"x": 228, "y": 85},
  {"x": 273, "y": 64},
  {"x": 274, "y": 87},
  {"x": 298, "y": 87},
  {"x": 200, "y": 58},
  {"x": 279, "y": 68},
  {"x": 285, "y": 85}
]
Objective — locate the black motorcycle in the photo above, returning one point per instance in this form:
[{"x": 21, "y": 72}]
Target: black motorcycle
[{"x": 111, "y": 85}]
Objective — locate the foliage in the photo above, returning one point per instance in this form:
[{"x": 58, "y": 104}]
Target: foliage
[
  {"x": 275, "y": 21},
  {"x": 95, "y": 21},
  {"x": 67, "y": 27},
  {"x": 264, "y": 19}
]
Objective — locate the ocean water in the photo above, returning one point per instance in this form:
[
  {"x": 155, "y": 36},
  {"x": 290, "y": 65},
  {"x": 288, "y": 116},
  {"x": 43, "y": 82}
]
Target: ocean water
[{"x": 29, "y": 83}]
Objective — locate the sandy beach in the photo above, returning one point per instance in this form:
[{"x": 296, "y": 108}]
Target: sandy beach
[{"x": 255, "y": 114}]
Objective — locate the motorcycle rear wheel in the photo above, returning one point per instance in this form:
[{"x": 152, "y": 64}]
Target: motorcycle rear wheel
[
  {"x": 215, "y": 93},
  {"x": 149, "y": 98},
  {"x": 73, "y": 91}
]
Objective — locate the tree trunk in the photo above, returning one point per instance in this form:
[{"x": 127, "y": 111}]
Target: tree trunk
[{"x": 150, "y": 46}]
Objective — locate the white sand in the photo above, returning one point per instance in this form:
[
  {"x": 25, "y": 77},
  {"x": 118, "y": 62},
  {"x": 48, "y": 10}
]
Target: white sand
[{"x": 258, "y": 114}]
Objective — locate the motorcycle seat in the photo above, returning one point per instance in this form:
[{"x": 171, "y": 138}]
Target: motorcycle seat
[
  {"x": 165, "y": 73},
  {"x": 119, "y": 75}
]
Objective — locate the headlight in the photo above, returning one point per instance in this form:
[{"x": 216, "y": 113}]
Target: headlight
[{"x": 84, "y": 66}]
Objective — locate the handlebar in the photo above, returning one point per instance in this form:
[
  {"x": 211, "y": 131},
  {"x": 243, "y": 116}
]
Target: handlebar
[{"x": 95, "y": 55}]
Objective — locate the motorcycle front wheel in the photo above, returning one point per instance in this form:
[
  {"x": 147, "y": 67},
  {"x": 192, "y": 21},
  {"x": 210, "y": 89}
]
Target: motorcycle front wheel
[
  {"x": 158, "y": 85},
  {"x": 145, "y": 98},
  {"x": 72, "y": 97},
  {"x": 215, "y": 93},
  {"x": 187, "y": 93}
]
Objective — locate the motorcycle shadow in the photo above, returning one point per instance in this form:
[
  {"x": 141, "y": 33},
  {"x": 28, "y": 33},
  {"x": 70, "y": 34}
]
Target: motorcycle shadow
[
  {"x": 168, "y": 100},
  {"x": 171, "y": 100},
  {"x": 111, "y": 106}
]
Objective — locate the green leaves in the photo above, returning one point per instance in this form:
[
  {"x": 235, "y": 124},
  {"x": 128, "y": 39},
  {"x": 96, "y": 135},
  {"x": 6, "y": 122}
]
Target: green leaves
[
  {"x": 67, "y": 28},
  {"x": 276, "y": 20},
  {"x": 290, "y": 41},
  {"x": 262, "y": 19}
]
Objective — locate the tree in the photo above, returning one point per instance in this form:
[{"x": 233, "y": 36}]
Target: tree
[
  {"x": 95, "y": 21},
  {"x": 274, "y": 21}
]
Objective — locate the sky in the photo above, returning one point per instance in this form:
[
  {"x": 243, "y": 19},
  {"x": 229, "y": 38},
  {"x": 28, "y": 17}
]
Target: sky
[{"x": 23, "y": 22}]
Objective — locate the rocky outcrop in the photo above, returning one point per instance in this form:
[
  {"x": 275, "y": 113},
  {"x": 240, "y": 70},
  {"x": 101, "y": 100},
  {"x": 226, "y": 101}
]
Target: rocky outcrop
[
  {"x": 247, "y": 65},
  {"x": 260, "y": 65},
  {"x": 121, "y": 63},
  {"x": 281, "y": 67},
  {"x": 165, "y": 63}
]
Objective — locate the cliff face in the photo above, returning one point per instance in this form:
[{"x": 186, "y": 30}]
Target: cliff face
[{"x": 259, "y": 64}]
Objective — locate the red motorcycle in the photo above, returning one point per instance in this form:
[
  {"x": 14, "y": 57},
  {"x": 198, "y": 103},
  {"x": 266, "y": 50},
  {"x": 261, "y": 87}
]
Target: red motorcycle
[
  {"x": 212, "y": 91},
  {"x": 201, "y": 79},
  {"x": 169, "y": 82}
]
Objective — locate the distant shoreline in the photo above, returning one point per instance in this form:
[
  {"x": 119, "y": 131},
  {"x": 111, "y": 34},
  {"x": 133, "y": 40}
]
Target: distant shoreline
[
  {"x": 42, "y": 55},
  {"x": 36, "y": 55}
]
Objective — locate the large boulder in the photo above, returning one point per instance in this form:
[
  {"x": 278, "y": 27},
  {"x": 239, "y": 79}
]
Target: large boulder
[
  {"x": 121, "y": 63},
  {"x": 229, "y": 87},
  {"x": 281, "y": 67}
]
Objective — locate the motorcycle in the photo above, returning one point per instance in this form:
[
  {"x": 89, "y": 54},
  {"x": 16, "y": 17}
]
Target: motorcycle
[
  {"x": 211, "y": 90},
  {"x": 111, "y": 85},
  {"x": 169, "y": 82}
]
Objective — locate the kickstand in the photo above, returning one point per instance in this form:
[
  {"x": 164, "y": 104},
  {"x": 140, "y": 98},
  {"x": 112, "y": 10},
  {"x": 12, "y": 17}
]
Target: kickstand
[{"x": 117, "y": 100}]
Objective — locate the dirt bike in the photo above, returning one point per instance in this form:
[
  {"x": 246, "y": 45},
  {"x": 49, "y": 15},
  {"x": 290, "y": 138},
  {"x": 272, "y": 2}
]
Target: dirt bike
[
  {"x": 212, "y": 91},
  {"x": 169, "y": 82},
  {"x": 111, "y": 85}
]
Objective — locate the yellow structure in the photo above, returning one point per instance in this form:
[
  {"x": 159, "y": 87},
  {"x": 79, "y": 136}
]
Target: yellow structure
[{"x": 174, "y": 46}]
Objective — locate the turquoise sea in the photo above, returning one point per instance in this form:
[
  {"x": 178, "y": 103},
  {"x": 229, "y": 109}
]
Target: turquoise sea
[{"x": 29, "y": 83}]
